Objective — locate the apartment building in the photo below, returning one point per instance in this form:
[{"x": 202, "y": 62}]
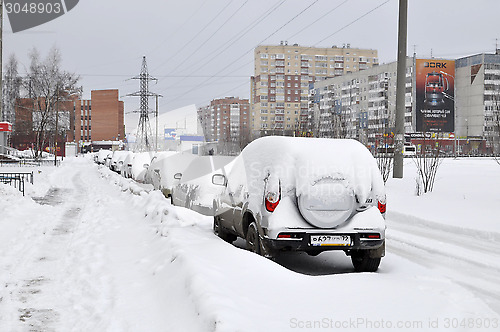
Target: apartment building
[
  {"x": 282, "y": 76},
  {"x": 360, "y": 105},
  {"x": 226, "y": 120},
  {"x": 478, "y": 101},
  {"x": 455, "y": 101}
]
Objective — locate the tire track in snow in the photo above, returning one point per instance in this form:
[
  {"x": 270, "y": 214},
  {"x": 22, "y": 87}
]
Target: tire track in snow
[{"x": 469, "y": 258}]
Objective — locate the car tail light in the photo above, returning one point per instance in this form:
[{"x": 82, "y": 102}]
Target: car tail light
[
  {"x": 284, "y": 236},
  {"x": 291, "y": 236},
  {"x": 381, "y": 207},
  {"x": 272, "y": 201},
  {"x": 371, "y": 236}
]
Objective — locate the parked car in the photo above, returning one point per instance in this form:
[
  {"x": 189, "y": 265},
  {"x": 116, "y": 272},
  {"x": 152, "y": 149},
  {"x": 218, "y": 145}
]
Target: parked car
[
  {"x": 194, "y": 189},
  {"x": 151, "y": 176},
  {"x": 127, "y": 166},
  {"x": 304, "y": 194},
  {"x": 139, "y": 165},
  {"x": 102, "y": 156},
  {"x": 117, "y": 160},
  {"x": 163, "y": 168}
]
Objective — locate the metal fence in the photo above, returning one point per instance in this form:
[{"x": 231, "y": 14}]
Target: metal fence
[
  {"x": 28, "y": 163},
  {"x": 16, "y": 179}
]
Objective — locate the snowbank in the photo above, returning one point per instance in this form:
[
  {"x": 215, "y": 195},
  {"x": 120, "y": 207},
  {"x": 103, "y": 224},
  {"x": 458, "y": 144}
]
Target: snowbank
[{"x": 106, "y": 255}]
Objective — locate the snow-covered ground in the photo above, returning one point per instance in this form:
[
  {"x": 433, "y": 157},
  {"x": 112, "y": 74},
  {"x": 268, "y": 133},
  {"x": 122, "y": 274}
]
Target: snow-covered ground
[{"x": 87, "y": 250}]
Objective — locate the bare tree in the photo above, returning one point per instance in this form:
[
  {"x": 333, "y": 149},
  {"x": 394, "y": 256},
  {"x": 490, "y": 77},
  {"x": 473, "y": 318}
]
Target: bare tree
[
  {"x": 427, "y": 162},
  {"x": 47, "y": 85},
  {"x": 494, "y": 125},
  {"x": 11, "y": 89}
]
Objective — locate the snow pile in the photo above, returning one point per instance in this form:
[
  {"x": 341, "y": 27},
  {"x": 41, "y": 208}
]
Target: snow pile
[
  {"x": 93, "y": 256},
  {"x": 466, "y": 195}
]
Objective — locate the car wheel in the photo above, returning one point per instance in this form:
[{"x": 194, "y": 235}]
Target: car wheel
[
  {"x": 253, "y": 242},
  {"x": 221, "y": 232},
  {"x": 362, "y": 261}
]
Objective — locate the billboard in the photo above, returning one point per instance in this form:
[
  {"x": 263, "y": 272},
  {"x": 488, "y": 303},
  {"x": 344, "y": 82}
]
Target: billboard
[
  {"x": 435, "y": 95},
  {"x": 170, "y": 134},
  {"x": 5, "y": 126}
]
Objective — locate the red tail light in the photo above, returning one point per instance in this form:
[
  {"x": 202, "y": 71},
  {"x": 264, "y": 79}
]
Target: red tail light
[
  {"x": 381, "y": 207},
  {"x": 272, "y": 200}
]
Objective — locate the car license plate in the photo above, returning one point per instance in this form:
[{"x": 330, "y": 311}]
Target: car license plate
[{"x": 330, "y": 240}]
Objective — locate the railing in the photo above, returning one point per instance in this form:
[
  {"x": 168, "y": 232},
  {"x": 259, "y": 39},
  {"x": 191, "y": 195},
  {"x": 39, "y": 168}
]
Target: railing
[
  {"x": 16, "y": 179},
  {"x": 28, "y": 163}
]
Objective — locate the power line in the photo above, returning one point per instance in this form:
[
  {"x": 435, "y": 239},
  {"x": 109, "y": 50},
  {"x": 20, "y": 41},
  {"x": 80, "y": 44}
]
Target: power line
[
  {"x": 349, "y": 24},
  {"x": 269, "y": 36},
  {"x": 180, "y": 27},
  {"x": 231, "y": 42},
  {"x": 189, "y": 42},
  {"x": 211, "y": 36},
  {"x": 160, "y": 76},
  {"x": 316, "y": 21}
]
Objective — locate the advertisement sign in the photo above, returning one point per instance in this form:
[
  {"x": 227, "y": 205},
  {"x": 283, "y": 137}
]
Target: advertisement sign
[
  {"x": 170, "y": 134},
  {"x": 435, "y": 96},
  {"x": 5, "y": 126}
]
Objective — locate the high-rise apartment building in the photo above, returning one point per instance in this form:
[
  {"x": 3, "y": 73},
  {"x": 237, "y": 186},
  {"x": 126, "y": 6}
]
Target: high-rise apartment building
[
  {"x": 455, "y": 101},
  {"x": 361, "y": 105},
  {"x": 478, "y": 101},
  {"x": 226, "y": 120},
  {"x": 282, "y": 76}
]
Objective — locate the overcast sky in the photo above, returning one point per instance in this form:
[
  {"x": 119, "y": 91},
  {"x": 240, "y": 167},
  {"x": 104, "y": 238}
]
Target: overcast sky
[{"x": 203, "y": 49}]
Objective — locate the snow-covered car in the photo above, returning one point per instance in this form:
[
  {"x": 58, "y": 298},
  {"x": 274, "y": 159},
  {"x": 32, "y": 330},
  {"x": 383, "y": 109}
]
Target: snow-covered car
[
  {"x": 163, "y": 168},
  {"x": 194, "y": 189},
  {"x": 116, "y": 162},
  {"x": 139, "y": 165},
  {"x": 102, "y": 156},
  {"x": 127, "y": 166},
  {"x": 304, "y": 194}
]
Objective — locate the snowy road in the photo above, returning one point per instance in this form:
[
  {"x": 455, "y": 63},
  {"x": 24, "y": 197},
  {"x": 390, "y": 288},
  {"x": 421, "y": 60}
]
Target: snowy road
[
  {"x": 95, "y": 252},
  {"x": 469, "y": 257}
]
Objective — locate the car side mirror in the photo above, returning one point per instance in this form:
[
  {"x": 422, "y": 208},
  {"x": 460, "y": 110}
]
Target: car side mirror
[
  {"x": 219, "y": 180},
  {"x": 177, "y": 176}
]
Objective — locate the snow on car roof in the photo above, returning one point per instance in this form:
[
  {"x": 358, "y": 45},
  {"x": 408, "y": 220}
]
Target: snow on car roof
[{"x": 299, "y": 161}]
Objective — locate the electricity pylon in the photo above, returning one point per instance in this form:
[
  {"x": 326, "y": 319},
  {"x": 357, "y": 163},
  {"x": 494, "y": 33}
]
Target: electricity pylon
[{"x": 144, "y": 136}]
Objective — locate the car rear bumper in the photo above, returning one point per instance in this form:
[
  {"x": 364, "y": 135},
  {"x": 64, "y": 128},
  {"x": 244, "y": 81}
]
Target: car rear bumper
[{"x": 358, "y": 242}]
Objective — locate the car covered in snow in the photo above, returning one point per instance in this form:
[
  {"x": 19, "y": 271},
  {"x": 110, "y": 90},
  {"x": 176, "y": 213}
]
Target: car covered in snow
[
  {"x": 139, "y": 164},
  {"x": 163, "y": 168},
  {"x": 304, "y": 194},
  {"x": 117, "y": 159},
  {"x": 194, "y": 188},
  {"x": 126, "y": 171},
  {"x": 102, "y": 156}
]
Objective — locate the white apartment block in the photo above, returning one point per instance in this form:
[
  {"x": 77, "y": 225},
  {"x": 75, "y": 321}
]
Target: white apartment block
[
  {"x": 282, "y": 78},
  {"x": 478, "y": 101},
  {"x": 360, "y": 105}
]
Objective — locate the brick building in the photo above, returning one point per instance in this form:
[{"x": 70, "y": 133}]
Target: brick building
[
  {"x": 99, "y": 119},
  {"x": 226, "y": 120},
  {"x": 82, "y": 121}
]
